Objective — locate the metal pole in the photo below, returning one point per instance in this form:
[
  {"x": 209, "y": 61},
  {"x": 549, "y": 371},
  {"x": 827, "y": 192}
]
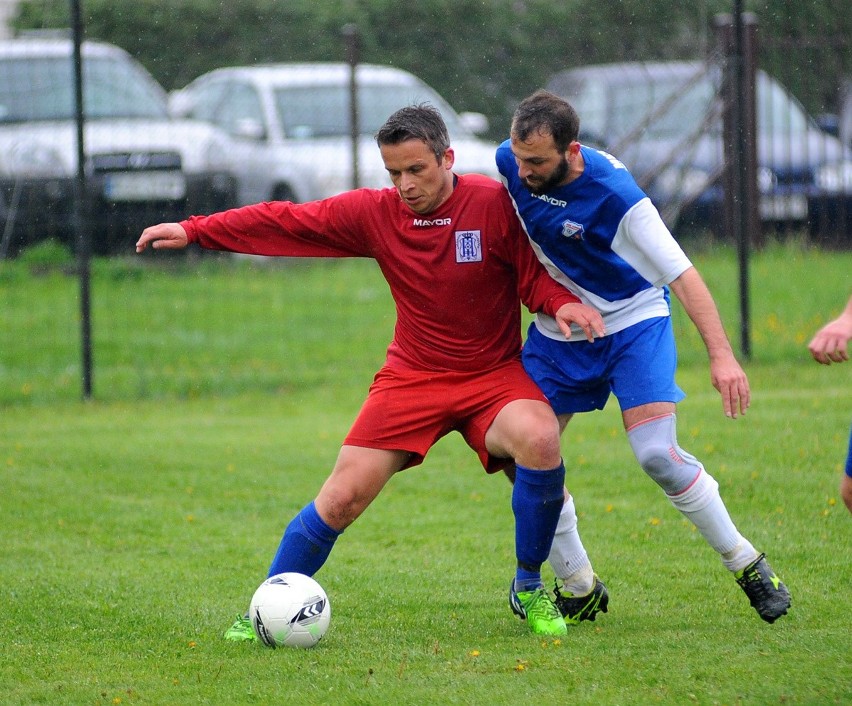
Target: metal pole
[
  {"x": 741, "y": 181},
  {"x": 350, "y": 35},
  {"x": 81, "y": 230}
]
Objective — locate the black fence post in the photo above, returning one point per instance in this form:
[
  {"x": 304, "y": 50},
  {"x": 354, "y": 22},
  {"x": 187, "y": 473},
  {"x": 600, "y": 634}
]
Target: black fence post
[
  {"x": 81, "y": 229},
  {"x": 737, "y": 39}
]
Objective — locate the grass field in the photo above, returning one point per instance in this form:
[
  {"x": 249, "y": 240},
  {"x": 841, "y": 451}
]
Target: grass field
[{"x": 136, "y": 525}]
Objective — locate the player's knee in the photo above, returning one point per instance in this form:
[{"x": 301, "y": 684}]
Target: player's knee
[
  {"x": 340, "y": 505},
  {"x": 669, "y": 475},
  {"x": 544, "y": 448},
  {"x": 538, "y": 445},
  {"x": 536, "y": 440},
  {"x": 655, "y": 446}
]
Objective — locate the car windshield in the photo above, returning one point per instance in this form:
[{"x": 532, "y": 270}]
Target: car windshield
[
  {"x": 323, "y": 111},
  {"x": 42, "y": 88},
  {"x": 685, "y": 109},
  {"x": 632, "y": 104},
  {"x": 778, "y": 113}
]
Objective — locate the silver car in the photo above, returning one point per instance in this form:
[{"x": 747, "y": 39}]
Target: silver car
[
  {"x": 289, "y": 126},
  {"x": 142, "y": 165}
]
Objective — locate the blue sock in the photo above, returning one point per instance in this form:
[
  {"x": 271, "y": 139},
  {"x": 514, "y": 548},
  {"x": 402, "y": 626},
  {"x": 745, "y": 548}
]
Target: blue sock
[
  {"x": 537, "y": 498},
  {"x": 527, "y": 580},
  {"x": 306, "y": 544}
]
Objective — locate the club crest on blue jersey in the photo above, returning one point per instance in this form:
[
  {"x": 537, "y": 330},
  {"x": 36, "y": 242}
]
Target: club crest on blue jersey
[
  {"x": 468, "y": 246},
  {"x": 572, "y": 230}
]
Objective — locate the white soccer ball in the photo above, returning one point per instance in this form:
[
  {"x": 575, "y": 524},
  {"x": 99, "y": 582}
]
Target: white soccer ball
[{"x": 290, "y": 610}]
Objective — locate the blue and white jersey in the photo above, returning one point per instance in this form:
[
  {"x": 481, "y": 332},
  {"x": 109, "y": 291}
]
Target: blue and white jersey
[{"x": 602, "y": 238}]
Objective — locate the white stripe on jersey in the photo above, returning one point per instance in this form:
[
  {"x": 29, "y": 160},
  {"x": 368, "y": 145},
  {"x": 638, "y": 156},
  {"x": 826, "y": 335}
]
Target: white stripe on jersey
[{"x": 643, "y": 241}]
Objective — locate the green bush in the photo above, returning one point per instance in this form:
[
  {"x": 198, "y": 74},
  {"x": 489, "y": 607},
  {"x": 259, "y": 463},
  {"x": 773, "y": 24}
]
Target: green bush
[{"x": 47, "y": 254}]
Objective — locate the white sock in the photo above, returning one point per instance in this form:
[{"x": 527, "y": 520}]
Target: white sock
[
  {"x": 741, "y": 556},
  {"x": 568, "y": 557},
  {"x": 703, "y": 506}
]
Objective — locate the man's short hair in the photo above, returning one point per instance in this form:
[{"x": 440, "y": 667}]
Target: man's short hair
[
  {"x": 546, "y": 113},
  {"x": 416, "y": 122}
]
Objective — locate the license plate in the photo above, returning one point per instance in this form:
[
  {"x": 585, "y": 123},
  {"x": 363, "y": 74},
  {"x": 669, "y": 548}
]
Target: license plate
[
  {"x": 144, "y": 186},
  {"x": 792, "y": 207}
]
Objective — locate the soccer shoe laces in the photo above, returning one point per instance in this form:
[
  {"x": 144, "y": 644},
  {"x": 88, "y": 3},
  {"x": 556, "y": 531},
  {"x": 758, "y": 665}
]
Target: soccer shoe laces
[
  {"x": 752, "y": 580},
  {"x": 539, "y": 606}
]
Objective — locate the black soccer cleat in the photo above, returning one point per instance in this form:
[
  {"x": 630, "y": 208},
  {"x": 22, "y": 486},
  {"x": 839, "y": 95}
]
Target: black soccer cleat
[
  {"x": 577, "y": 608},
  {"x": 768, "y": 596}
]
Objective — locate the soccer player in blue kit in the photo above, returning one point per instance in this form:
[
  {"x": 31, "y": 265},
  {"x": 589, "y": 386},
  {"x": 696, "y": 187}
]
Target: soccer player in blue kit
[{"x": 600, "y": 236}]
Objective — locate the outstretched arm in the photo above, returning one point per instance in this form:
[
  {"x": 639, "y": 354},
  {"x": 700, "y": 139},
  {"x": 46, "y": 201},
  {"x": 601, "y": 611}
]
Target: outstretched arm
[
  {"x": 830, "y": 344},
  {"x": 726, "y": 374},
  {"x": 165, "y": 235}
]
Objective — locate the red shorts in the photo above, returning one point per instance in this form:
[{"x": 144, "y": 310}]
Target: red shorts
[{"x": 409, "y": 410}]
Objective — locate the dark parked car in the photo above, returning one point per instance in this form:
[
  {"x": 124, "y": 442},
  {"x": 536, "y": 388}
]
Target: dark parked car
[
  {"x": 663, "y": 120},
  {"x": 142, "y": 165}
]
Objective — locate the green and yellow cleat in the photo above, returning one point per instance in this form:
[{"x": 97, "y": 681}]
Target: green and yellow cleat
[
  {"x": 539, "y": 610},
  {"x": 241, "y": 630}
]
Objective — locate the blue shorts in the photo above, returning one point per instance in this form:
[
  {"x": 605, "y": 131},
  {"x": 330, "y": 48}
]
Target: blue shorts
[
  {"x": 849, "y": 456},
  {"x": 637, "y": 365}
]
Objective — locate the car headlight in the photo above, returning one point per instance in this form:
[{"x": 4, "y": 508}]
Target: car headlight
[
  {"x": 682, "y": 182},
  {"x": 35, "y": 159},
  {"x": 835, "y": 178}
]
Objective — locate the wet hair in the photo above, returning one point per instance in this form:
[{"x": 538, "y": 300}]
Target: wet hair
[
  {"x": 416, "y": 122},
  {"x": 546, "y": 113}
]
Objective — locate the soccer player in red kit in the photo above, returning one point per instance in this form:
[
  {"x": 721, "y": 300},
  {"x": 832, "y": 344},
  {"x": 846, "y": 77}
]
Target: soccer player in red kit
[{"x": 457, "y": 262}]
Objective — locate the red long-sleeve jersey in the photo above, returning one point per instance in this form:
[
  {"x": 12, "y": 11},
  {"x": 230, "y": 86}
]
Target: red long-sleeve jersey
[{"x": 455, "y": 274}]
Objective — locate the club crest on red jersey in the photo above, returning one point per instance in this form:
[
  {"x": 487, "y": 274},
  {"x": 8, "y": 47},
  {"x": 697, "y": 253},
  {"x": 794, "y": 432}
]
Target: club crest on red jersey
[{"x": 468, "y": 246}]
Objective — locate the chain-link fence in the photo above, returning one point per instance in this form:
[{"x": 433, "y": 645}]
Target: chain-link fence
[{"x": 302, "y": 131}]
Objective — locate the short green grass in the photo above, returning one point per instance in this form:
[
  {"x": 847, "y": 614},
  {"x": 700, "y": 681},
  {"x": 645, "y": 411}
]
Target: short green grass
[{"x": 137, "y": 524}]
